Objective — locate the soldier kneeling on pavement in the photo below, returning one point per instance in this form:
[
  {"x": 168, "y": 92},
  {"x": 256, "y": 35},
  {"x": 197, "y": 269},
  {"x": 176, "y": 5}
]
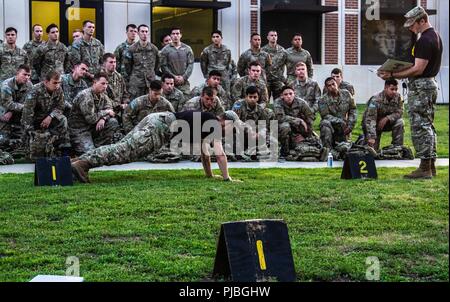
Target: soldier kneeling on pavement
[
  {"x": 92, "y": 122},
  {"x": 44, "y": 124}
]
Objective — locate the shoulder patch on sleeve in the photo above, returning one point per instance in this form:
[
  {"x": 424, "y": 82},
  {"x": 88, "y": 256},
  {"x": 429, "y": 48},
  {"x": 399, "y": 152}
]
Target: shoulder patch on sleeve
[{"x": 237, "y": 106}]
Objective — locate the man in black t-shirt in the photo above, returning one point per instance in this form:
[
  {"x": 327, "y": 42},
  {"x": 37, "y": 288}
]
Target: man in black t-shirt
[{"x": 422, "y": 95}]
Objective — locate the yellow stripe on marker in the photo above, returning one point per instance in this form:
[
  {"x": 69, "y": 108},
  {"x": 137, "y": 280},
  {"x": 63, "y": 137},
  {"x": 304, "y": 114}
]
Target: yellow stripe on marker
[
  {"x": 54, "y": 173},
  {"x": 262, "y": 259}
]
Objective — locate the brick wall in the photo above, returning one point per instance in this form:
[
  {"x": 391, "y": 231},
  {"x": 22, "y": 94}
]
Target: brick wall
[
  {"x": 351, "y": 39},
  {"x": 331, "y": 2},
  {"x": 254, "y": 21},
  {"x": 351, "y": 4},
  {"x": 331, "y": 39}
]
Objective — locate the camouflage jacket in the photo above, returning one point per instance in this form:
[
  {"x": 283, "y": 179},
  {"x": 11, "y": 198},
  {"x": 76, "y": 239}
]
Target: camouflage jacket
[
  {"x": 117, "y": 90},
  {"x": 90, "y": 52},
  {"x": 245, "y": 112},
  {"x": 293, "y": 57},
  {"x": 279, "y": 60},
  {"x": 379, "y": 107},
  {"x": 196, "y": 104},
  {"x": 39, "y": 104},
  {"x": 71, "y": 88},
  {"x": 120, "y": 52},
  {"x": 221, "y": 93},
  {"x": 88, "y": 108},
  {"x": 213, "y": 58},
  {"x": 177, "y": 61},
  {"x": 344, "y": 85},
  {"x": 50, "y": 56},
  {"x": 340, "y": 109},
  {"x": 249, "y": 56},
  {"x": 141, "y": 63},
  {"x": 308, "y": 91},
  {"x": 298, "y": 109},
  {"x": 238, "y": 90},
  {"x": 176, "y": 98},
  {"x": 30, "y": 47},
  {"x": 141, "y": 107},
  {"x": 10, "y": 60},
  {"x": 12, "y": 97}
]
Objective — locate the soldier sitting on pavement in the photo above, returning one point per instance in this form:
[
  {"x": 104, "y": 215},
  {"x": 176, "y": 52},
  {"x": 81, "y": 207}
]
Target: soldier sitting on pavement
[
  {"x": 306, "y": 88},
  {"x": 295, "y": 119},
  {"x": 44, "y": 124},
  {"x": 12, "y": 98},
  {"x": 214, "y": 80},
  {"x": 139, "y": 108},
  {"x": 337, "y": 109},
  {"x": 384, "y": 113},
  {"x": 92, "y": 122},
  {"x": 151, "y": 134},
  {"x": 172, "y": 94},
  {"x": 72, "y": 84}
]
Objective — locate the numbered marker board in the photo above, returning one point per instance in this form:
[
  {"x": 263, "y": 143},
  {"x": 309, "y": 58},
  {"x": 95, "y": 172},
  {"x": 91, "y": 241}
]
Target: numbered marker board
[
  {"x": 53, "y": 172},
  {"x": 254, "y": 250},
  {"x": 357, "y": 167}
]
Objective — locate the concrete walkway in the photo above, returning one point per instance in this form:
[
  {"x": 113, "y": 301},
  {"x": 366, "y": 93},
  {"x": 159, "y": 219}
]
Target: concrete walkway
[{"x": 29, "y": 168}]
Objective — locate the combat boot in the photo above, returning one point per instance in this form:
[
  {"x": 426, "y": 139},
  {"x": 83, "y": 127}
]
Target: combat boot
[
  {"x": 433, "y": 167},
  {"x": 423, "y": 172},
  {"x": 80, "y": 169}
]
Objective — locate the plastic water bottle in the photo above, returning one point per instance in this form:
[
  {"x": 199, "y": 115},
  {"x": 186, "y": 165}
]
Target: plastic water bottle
[{"x": 330, "y": 160}]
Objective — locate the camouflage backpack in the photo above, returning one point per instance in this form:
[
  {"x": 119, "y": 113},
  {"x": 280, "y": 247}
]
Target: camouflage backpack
[
  {"x": 6, "y": 158},
  {"x": 395, "y": 152}
]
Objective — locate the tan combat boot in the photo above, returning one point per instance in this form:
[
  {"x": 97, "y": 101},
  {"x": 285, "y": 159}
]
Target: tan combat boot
[
  {"x": 80, "y": 169},
  {"x": 423, "y": 172},
  {"x": 433, "y": 167}
]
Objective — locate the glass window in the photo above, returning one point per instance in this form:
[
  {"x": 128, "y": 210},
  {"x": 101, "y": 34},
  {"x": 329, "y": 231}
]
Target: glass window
[
  {"x": 386, "y": 37},
  {"x": 51, "y": 9},
  {"x": 196, "y": 25}
]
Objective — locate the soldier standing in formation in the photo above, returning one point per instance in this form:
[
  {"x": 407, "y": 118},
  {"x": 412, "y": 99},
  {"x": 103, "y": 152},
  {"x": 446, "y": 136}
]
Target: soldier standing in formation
[
  {"x": 254, "y": 53},
  {"x": 11, "y": 56},
  {"x": 296, "y": 54},
  {"x": 275, "y": 75},
  {"x": 131, "y": 31},
  {"x": 31, "y": 46}
]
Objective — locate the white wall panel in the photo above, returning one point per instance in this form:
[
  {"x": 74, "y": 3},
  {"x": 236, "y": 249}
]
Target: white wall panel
[{"x": 16, "y": 14}]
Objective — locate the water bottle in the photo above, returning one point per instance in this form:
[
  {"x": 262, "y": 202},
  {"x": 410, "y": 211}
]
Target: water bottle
[{"x": 330, "y": 160}]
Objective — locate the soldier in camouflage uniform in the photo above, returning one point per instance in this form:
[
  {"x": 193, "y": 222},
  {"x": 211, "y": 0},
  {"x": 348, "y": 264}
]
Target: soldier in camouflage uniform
[
  {"x": 141, "y": 63},
  {"x": 296, "y": 54},
  {"x": 77, "y": 34},
  {"x": 51, "y": 56},
  {"x": 306, "y": 88},
  {"x": 43, "y": 119},
  {"x": 177, "y": 59},
  {"x": 336, "y": 74},
  {"x": 217, "y": 57},
  {"x": 117, "y": 89},
  {"x": 11, "y": 56},
  {"x": 384, "y": 113},
  {"x": 170, "y": 93},
  {"x": 207, "y": 102},
  {"x": 31, "y": 46},
  {"x": 233, "y": 75},
  {"x": 252, "y": 79},
  {"x": 12, "y": 98},
  {"x": 144, "y": 105},
  {"x": 72, "y": 84},
  {"x": 121, "y": 50},
  {"x": 214, "y": 80},
  {"x": 337, "y": 109},
  {"x": 254, "y": 53},
  {"x": 422, "y": 95},
  {"x": 295, "y": 118},
  {"x": 149, "y": 136},
  {"x": 275, "y": 75},
  {"x": 89, "y": 50},
  {"x": 92, "y": 121}
]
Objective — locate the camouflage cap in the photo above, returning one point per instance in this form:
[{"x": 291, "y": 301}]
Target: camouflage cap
[{"x": 413, "y": 15}]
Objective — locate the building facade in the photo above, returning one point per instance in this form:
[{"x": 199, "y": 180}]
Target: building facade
[{"x": 353, "y": 35}]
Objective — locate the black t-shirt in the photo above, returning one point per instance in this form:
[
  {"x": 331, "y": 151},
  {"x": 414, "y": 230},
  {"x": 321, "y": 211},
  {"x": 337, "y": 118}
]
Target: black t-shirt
[
  {"x": 429, "y": 47},
  {"x": 197, "y": 127}
]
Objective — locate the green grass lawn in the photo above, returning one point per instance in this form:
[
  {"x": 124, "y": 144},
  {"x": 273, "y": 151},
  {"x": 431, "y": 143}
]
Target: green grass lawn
[
  {"x": 441, "y": 124},
  {"x": 164, "y": 225}
]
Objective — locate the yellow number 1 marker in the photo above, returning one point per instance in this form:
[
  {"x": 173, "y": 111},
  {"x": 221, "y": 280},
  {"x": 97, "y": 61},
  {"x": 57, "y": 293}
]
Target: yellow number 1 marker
[
  {"x": 54, "y": 173},
  {"x": 262, "y": 259}
]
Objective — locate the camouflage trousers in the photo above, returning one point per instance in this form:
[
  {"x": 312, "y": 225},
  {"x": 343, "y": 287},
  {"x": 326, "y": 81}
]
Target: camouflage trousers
[
  {"x": 142, "y": 141},
  {"x": 421, "y": 101},
  {"x": 10, "y": 135},
  {"x": 136, "y": 90},
  {"x": 288, "y": 130},
  {"x": 6, "y": 158},
  {"x": 331, "y": 133},
  {"x": 84, "y": 140},
  {"x": 274, "y": 87},
  {"x": 397, "y": 129},
  {"x": 185, "y": 89},
  {"x": 45, "y": 143}
]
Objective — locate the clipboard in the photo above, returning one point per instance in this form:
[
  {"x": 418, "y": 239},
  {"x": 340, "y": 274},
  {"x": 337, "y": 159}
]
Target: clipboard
[{"x": 394, "y": 65}]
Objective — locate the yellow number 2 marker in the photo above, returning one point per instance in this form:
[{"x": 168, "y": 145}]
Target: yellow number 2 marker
[
  {"x": 54, "y": 173},
  {"x": 262, "y": 259}
]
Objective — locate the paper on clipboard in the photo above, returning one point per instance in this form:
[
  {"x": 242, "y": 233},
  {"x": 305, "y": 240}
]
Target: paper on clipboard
[{"x": 394, "y": 65}]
